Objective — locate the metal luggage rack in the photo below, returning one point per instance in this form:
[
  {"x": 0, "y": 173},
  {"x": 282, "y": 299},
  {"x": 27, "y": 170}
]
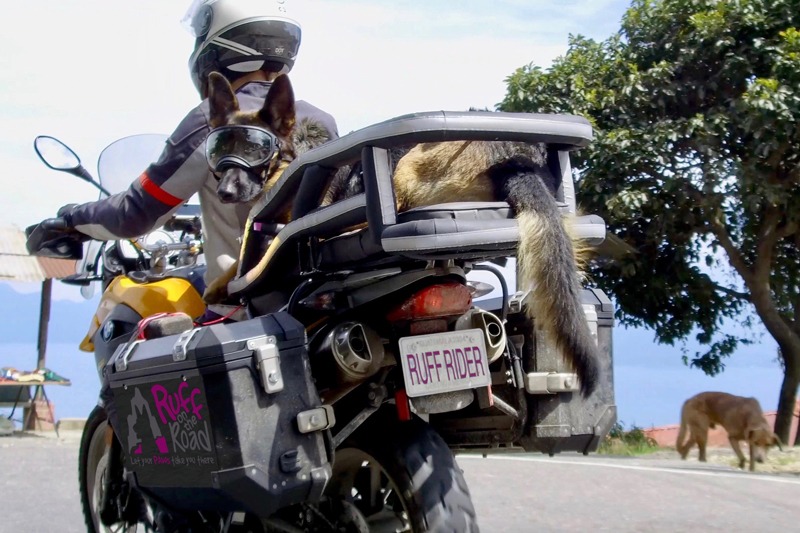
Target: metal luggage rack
[{"x": 461, "y": 230}]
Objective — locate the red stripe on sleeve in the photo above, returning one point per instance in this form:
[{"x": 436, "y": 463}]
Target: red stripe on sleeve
[{"x": 157, "y": 192}]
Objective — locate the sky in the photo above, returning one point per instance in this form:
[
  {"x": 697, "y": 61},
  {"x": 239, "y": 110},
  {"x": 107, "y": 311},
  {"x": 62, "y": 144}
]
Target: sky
[{"x": 91, "y": 72}]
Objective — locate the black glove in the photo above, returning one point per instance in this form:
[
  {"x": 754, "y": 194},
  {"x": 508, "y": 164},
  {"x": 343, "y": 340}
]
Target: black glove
[
  {"x": 66, "y": 213},
  {"x": 55, "y": 237}
]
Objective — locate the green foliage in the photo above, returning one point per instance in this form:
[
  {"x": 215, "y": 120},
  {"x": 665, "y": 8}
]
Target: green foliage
[
  {"x": 631, "y": 442},
  {"x": 696, "y": 110}
]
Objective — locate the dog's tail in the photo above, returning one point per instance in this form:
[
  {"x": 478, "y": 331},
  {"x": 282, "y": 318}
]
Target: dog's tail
[
  {"x": 681, "y": 444},
  {"x": 546, "y": 259}
]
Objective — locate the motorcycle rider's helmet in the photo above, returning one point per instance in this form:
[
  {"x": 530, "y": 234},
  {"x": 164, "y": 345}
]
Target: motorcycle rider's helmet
[{"x": 236, "y": 37}]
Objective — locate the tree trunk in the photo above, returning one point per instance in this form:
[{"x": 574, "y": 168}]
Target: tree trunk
[
  {"x": 797, "y": 437},
  {"x": 788, "y": 398}
]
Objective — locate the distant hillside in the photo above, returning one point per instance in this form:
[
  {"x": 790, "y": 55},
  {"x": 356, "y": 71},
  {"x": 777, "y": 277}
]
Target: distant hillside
[{"x": 69, "y": 321}]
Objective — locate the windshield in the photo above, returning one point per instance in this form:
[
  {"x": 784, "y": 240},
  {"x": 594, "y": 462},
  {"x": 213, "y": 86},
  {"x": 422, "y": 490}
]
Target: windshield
[{"x": 124, "y": 160}]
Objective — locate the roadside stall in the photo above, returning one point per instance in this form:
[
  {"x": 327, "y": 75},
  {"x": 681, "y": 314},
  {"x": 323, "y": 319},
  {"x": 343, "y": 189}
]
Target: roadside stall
[{"x": 15, "y": 385}]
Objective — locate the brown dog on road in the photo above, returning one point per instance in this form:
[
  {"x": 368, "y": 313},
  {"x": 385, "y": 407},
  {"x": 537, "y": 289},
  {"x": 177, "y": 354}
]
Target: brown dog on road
[{"x": 741, "y": 417}]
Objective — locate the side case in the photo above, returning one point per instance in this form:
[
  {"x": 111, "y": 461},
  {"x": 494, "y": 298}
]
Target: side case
[
  {"x": 200, "y": 431},
  {"x": 565, "y": 421}
]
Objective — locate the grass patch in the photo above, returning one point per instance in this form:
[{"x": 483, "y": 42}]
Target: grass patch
[{"x": 630, "y": 442}]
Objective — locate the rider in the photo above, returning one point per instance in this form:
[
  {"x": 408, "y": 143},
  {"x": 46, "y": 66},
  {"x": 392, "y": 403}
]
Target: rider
[{"x": 250, "y": 42}]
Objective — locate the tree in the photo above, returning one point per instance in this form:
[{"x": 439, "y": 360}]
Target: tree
[{"x": 696, "y": 106}]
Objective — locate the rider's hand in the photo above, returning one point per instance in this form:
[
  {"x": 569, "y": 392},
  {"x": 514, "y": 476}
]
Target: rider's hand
[
  {"x": 55, "y": 237},
  {"x": 66, "y": 213}
]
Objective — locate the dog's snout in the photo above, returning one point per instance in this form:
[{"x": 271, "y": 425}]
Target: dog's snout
[
  {"x": 228, "y": 188},
  {"x": 226, "y": 196},
  {"x": 237, "y": 185}
]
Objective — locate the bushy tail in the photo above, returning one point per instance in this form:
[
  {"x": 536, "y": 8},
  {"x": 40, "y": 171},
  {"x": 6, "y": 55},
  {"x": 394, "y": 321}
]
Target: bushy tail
[
  {"x": 681, "y": 445},
  {"x": 546, "y": 259}
]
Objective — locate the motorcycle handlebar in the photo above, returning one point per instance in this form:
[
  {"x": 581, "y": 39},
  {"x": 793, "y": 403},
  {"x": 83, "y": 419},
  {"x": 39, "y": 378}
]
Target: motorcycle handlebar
[{"x": 165, "y": 247}]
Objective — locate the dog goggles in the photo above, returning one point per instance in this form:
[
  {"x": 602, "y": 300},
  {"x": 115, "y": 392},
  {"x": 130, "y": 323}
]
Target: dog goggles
[{"x": 243, "y": 146}]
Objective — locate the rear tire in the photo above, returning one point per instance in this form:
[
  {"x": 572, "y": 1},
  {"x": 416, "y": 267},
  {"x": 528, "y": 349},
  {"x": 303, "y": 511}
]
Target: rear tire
[{"x": 416, "y": 481}]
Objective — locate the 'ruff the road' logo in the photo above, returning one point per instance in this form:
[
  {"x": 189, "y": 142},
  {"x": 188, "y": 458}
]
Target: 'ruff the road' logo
[{"x": 180, "y": 412}]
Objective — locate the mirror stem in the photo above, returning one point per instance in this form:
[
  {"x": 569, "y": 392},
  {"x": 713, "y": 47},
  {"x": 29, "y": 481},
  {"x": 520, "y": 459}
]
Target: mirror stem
[{"x": 84, "y": 175}]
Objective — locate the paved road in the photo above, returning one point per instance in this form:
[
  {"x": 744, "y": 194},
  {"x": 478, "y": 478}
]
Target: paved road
[{"x": 39, "y": 493}]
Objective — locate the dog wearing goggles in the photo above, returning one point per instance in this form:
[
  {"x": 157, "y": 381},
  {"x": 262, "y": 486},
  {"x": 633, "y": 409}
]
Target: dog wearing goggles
[{"x": 248, "y": 151}]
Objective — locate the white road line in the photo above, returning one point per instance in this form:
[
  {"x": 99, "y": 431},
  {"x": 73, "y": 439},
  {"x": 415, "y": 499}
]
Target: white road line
[{"x": 772, "y": 479}]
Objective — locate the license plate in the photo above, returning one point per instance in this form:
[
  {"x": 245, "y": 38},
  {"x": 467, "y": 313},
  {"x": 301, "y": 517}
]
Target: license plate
[{"x": 444, "y": 362}]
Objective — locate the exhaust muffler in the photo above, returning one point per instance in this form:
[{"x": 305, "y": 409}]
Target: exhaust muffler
[
  {"x": 493, "y": 330},
  {"x": 351, "y": 353}
]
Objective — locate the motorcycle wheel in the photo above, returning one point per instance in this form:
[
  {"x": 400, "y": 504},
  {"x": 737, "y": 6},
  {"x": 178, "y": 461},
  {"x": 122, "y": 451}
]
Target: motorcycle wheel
[
  {"x": 92, "y": 470},
  {"x": 402, "y": 477}
]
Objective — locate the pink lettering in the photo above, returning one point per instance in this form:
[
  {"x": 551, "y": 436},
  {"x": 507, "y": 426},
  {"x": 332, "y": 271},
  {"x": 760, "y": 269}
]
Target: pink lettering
[
  {"x": 429, "y": 365},
  {"x": 161, "y": 402},
  {"x": 448, "y": 364},
  {"x": 195, "y": 408},
  {"x": 478, "y": 355},
  {"x": 423, "y": 367},
  {"x": 468, "y": 357},
  {"x": 175, "y": 409},
  {"x": 438, "y": 366},
  {"x": 462, "y": 363},
  {"x": 412, "y": 368}
]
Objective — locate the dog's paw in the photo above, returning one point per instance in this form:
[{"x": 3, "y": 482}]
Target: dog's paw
[{"x": 216, "y": 293}]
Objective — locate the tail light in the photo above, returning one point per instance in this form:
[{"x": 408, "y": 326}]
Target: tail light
[{"x": 448, "y": 299}]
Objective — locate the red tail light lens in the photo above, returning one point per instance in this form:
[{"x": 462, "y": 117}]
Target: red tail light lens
[{"x": 435, "y": 301}]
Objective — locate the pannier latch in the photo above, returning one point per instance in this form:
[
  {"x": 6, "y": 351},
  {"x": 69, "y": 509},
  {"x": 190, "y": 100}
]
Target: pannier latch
[
  {"x": 123, "y": 354},
  {"x": 551, "y": 383},
  {"x": 318, "y": 419},
  {"x": 268, "y": 362},
  {"x": 181, "y": 348},
  {"x": 517, "y": 302}
]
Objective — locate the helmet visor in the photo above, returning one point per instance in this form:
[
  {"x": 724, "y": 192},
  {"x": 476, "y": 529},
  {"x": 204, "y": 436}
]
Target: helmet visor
[{"x": 247, "y": 146}]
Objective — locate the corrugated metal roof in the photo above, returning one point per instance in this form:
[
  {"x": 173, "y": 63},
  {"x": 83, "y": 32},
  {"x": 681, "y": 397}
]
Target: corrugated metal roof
[
  {"x": 56, "y": 268},
  {"x": 17, "y": 265}
]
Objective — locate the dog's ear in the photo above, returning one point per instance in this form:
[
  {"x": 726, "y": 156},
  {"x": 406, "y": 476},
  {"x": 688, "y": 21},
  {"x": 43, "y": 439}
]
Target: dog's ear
[
  {"x": 278, "y": 111},
  {"x": 222, "y": 100}
]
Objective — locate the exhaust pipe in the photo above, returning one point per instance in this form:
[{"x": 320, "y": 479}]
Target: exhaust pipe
[
  {"x": 492, "y": 327},
  {"x": 351, "y": 353},
  {"x": 357, "y": 351}
]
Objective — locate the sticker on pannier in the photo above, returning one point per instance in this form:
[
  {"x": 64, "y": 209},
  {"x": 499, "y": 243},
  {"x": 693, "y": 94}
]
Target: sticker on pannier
[{"x": 166, "y": 432}]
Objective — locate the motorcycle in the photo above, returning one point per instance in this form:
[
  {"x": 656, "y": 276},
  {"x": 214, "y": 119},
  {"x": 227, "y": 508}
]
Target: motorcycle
[{"x": 367, "y": 360}]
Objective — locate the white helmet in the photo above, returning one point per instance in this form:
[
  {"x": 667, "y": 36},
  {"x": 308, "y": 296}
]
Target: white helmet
[{"x": 240, "y": 36}]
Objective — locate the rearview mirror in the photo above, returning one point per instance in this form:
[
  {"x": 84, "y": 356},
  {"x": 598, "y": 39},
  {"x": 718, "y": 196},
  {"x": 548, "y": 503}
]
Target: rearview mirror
[
  {"x": 56, "y": 154},
  {"x": 59, "y": 156}
]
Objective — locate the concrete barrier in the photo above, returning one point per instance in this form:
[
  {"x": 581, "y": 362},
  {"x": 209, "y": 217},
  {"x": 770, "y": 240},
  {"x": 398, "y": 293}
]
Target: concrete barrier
[{"x": 71, "y": 424}]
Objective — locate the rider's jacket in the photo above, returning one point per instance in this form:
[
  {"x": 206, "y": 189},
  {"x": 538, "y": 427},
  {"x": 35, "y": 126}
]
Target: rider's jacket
[{"x": 180, "y": 172}]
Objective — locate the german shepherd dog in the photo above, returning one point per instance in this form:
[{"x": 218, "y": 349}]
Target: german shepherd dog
[
  {"x": 240, "y": 185},
  {"x": 741, "y": 417},
  {"x": 461, "y": 171}
]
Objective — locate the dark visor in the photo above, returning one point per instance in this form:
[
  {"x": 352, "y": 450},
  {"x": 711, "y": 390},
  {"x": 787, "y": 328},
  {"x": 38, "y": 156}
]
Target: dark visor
[{"x": 243, "y": 145}]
